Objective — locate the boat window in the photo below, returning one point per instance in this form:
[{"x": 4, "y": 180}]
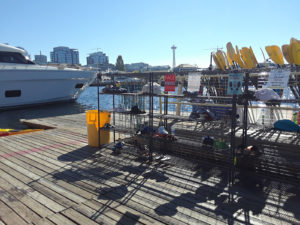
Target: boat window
[
  {"x": 13, "y": 93},
  {"x": 79, "y": 85},
  {"x": 13, "y": 57}
]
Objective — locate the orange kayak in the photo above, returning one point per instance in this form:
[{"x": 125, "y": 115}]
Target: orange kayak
[{"x": 10, "y": 132}]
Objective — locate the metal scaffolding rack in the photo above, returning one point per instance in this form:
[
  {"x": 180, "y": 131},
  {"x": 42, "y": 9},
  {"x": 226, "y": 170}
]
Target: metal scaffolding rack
[{"x": 210, "y": 78}]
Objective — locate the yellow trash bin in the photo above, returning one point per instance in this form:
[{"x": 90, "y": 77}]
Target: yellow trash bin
[{"x": 92, "y": 127}]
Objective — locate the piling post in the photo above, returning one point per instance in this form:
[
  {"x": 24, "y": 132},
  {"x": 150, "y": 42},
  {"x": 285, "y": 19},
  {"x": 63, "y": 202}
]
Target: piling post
[{"x": 179, "y": 92}]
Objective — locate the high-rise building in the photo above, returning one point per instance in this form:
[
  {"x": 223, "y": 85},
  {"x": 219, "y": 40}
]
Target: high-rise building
[
  {"x": 97, "y": 59},
  {"x": 40, "y": 59},
  {"x": 64, "y": 55}
]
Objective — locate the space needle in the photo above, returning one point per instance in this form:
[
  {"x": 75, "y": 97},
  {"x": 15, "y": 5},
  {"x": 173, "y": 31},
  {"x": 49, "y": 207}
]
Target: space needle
[{"x": 174, "y": 62}]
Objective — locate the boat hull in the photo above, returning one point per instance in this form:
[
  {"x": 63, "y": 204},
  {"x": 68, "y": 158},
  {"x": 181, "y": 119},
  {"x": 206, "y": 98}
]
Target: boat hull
[{"x": 19, "y": 88}]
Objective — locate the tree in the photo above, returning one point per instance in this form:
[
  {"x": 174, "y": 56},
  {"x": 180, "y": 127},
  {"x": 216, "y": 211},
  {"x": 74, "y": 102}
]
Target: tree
[{"x": 120, "y": 64}]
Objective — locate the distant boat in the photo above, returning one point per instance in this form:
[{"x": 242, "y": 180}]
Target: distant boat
[{"x": 23, "y": 83}]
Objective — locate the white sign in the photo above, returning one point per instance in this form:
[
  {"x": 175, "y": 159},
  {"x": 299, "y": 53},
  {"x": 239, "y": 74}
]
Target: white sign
[
  {"x": 194, "y": 81},
  {"x": 278, "y": 79}
]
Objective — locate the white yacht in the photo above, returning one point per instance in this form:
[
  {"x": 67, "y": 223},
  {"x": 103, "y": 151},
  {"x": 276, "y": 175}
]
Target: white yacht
[{"x": 24, "y": 83}]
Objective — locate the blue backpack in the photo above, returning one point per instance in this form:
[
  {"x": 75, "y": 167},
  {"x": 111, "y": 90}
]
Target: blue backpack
[{"x": 286, "y": 125}]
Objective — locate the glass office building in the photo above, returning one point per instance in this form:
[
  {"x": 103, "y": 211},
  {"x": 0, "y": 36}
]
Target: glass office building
[
  {"x": 64, "y": 55},
  {"x": 40, "y": 59},
  {"x": 97, "y": 59}
]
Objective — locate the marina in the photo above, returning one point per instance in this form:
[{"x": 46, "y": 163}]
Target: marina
[{"x": 149, "y": 112}]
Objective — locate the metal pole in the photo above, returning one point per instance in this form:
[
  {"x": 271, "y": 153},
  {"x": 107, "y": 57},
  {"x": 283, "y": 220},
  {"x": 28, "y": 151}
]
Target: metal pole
[
  {"x": 232, "y": 146},
  {"x": 114, "y": 115},
  {"x": 210, "y": 65},
  {"x": 160, "y": 106},
  {"x": 98, "y": 107},
  {"x": 180, "y": 82},
  {"x": 166, "y": 111},
  {"x": 245, "y": 114},
  {"x": 151, "y": 116}
]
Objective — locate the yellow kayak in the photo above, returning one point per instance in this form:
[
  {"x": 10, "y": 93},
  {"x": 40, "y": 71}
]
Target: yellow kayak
[
  {"x": 24, "y": 131},
  {"x": 253, "y": 56},
  {"x": 238, "y": 59},
  {"x": 9, "y": 132},
  {"x": 295, "y": 50},
  {"x": 275, "y": 54},
  {"x": 229, "y": 60},
  {"x": 222, "y": 59},
  {"x": 247, "y": 58},
  {"x": 230, "y": 51},
  {"x": 226, "y": 60},
  {"x": 5, "y": 130},
  {"x": 216, "y": 60},
  {"x": 287, "y": 53}
]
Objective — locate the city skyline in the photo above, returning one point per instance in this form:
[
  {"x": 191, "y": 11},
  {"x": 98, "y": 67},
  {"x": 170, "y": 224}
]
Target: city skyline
[
  {"x": 144, "y": 31},
  {"x": 95, "y": 58},
  {"x": 102, "y": 58}
]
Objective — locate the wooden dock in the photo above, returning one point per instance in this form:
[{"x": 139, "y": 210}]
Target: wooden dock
[{"x": 53, "y": 177}]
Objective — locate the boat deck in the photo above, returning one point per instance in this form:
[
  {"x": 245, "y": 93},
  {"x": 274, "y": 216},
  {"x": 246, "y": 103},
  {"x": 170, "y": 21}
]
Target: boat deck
[{"x": 53, "y": 177}]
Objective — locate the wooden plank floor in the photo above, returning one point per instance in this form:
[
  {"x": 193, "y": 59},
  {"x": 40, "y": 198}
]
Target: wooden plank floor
[
  {"x": 53, "y": 177},
  {"x": 256, "y": 135}
]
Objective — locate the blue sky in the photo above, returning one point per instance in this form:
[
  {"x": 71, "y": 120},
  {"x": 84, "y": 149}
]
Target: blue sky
[{"x": 144, "y": 31}]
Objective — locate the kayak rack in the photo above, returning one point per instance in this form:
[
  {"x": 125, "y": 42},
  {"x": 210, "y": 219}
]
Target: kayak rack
[{"x": 238, "y": 115}]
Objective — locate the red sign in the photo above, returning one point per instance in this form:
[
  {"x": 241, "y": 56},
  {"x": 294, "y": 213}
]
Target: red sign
[{"x": 170, "y": 80}]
